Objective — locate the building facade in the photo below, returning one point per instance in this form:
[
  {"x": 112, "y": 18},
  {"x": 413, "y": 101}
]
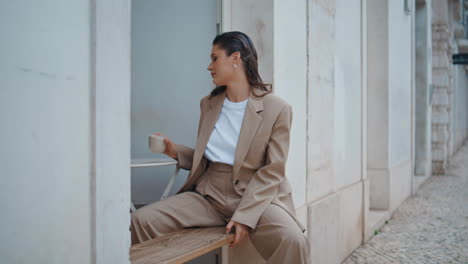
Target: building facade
[{"x": 378, "y": 108}]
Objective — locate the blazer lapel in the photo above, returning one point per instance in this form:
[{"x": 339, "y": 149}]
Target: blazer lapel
[
  {"x": 250, "y": 125},
  {"x": 207, "y": 126}
]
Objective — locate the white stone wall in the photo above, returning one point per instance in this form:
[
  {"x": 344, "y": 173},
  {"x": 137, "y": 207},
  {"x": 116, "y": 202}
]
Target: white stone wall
[
  {"x": 344, "y": 66},
  {"x": 335, "y": 184},
  {"x": 255, "y": 18},
  {"x": 290, "y": 82},
  {"x": 400, "y": 86},
  {"x": 314, "y": 71},
  {"x": 326, "y": 91},
  {"x": 399, "y": 78},
  {"x": 422, "y": 89},
  {"x": 449, "y": 99}
]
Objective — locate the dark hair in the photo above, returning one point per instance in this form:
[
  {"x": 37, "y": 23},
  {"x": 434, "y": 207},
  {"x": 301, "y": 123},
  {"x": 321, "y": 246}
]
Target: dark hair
[{"x": 237, "y": 41}]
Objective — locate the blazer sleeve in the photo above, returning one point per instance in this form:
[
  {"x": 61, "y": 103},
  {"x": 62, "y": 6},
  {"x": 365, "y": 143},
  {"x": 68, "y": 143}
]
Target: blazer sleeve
[
  {"x": 184, "y": 153},
  {"x": 184, "y": 156},
  {"x": 264, "y": 185}
]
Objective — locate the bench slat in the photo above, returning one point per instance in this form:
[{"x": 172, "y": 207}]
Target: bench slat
[{"x": 180, "y": 246}]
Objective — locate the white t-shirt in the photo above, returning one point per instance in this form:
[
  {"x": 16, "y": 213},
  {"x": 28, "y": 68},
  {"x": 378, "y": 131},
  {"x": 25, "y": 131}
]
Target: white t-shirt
[{"x": 222, "y": 144}]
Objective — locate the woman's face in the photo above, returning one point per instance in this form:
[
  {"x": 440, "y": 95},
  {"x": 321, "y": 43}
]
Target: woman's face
[{"x": 221, "y": 66}]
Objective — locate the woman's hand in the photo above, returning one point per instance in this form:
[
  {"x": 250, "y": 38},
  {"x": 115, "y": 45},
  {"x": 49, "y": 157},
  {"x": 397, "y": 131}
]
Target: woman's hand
[
  {"x": 242, "y": 231},
  {"x": 170, "y": 146}
]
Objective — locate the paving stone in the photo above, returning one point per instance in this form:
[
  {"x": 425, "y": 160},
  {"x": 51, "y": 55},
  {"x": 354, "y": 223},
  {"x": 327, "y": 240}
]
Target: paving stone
[{"x": 429, "y": 227}]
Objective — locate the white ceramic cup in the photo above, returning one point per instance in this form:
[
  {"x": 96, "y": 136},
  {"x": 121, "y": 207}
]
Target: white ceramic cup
[{"x": 156, "y": 143}]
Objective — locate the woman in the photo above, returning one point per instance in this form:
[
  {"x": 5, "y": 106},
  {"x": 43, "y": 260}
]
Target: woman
[{"x": 237, "y": 169}]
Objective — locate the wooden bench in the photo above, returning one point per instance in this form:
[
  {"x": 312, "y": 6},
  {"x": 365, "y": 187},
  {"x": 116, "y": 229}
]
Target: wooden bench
[{"x": 180, "y": 246}]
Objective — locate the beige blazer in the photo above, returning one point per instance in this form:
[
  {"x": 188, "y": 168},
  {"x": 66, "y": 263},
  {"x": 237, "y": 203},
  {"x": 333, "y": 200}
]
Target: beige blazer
[{"x": 260, "y": 158}]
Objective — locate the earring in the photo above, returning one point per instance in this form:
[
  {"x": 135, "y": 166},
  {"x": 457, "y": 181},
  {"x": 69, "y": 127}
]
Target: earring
[{"x": 235, "y": 65}]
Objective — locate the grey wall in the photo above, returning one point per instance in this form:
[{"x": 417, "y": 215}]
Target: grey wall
[
  {"x": 461, "y": 105},
  {"x": 171, "y": 47},
  {"x": 45, "y": 135}
]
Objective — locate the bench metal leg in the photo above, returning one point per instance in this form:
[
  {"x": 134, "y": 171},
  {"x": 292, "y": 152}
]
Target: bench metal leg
[
  {"x": 225, "y": 254},
  {"x": 169, "y": 186},
  {"x": 170, "y": 183}
]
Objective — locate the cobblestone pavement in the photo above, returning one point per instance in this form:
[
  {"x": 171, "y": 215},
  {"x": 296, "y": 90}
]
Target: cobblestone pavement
[{"x": 429, "y": 227}]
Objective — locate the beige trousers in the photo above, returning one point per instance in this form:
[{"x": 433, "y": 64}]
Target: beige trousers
[{"x": 277, "y": 237}]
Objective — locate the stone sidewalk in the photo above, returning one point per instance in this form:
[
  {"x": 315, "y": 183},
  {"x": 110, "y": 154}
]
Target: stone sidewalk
[{"x": 429, "y": 227}]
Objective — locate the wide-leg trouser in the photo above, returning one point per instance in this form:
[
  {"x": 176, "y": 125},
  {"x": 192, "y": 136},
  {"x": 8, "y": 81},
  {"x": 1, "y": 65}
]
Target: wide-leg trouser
[{"x": 277, "y": 237}]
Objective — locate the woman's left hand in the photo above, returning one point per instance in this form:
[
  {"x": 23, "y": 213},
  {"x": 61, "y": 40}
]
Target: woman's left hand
[{"x": 242, "y": 231}]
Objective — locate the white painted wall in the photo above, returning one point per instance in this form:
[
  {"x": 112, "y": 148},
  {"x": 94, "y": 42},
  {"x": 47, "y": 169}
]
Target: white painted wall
[
  {"x": 111, "y": 131},
  {"x": 45, "y": 137}
]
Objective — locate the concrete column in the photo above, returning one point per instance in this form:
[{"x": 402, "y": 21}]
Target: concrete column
[
  {"x": 110, "y": 111},
  {"x": 423, "y": 48},
  {"x": 378, "y": 104}
]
